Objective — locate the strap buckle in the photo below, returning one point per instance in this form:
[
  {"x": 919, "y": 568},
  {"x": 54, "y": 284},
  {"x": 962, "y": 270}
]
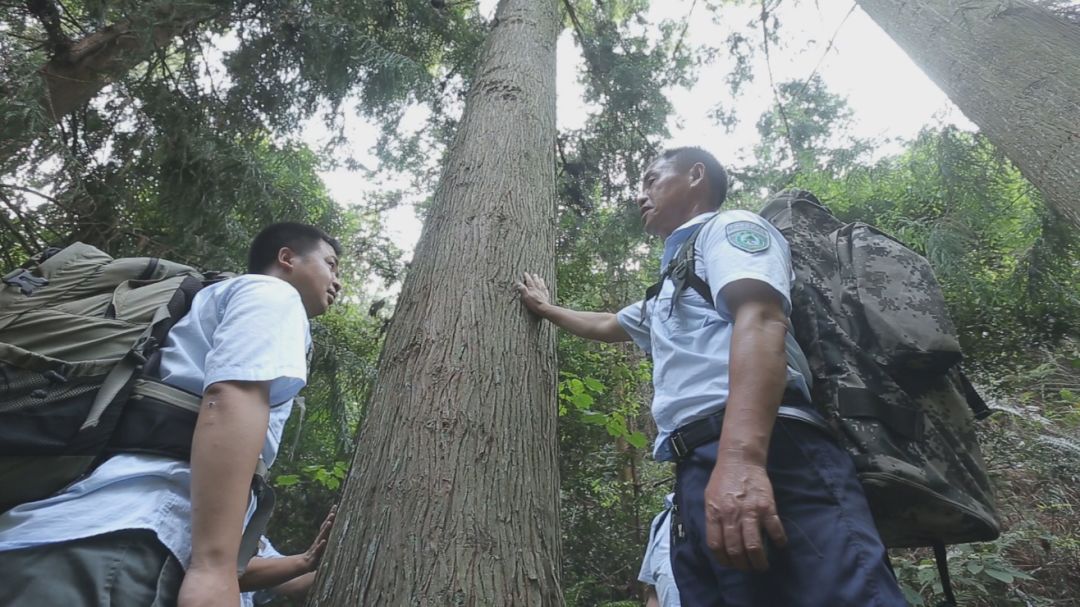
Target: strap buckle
[
  {"x": 678, "y": 445},
  {"x": 26, "y": 281}
]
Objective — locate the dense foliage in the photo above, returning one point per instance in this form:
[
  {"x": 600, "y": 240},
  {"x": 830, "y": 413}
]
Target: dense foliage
[{"x": 189, "y": 153}]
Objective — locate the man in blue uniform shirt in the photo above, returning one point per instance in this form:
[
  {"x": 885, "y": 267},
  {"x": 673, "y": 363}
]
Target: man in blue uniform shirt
[{"x": 771, "y": 510}]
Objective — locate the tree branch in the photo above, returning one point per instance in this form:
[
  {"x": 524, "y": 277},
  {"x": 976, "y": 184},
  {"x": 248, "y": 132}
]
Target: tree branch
[
  {"x": 772, "y": 82},
  {"x": 594, "y": 71}
]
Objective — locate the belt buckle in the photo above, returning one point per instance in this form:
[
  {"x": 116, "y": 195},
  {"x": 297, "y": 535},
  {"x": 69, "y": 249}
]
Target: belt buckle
[{"x": 678, "y": 445}]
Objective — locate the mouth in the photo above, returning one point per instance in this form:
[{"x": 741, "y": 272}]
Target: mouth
[
  {"x": 332, "y": 296},
  {"x": 645, "y": 210}
]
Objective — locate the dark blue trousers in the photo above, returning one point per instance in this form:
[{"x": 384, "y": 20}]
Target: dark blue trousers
[{"x": 834, "y": 556}]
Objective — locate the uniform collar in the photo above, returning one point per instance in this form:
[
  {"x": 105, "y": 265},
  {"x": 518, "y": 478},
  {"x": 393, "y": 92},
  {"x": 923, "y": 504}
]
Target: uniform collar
[
  {"x": 679, "y": 236},
  {"x": 696, "y": 219}
]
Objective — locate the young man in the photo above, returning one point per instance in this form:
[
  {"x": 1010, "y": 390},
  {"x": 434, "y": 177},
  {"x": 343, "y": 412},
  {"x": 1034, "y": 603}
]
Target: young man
[
  {"x": 125, "y": 534},
  {"x": 770, "y": 505}
]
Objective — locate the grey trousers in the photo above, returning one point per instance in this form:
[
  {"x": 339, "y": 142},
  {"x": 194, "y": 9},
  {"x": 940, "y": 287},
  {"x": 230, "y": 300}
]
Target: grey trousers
[{"x": 128, "y": 568}]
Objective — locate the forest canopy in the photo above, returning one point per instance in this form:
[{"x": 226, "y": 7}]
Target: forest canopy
[{"x": 195, "y": 128}]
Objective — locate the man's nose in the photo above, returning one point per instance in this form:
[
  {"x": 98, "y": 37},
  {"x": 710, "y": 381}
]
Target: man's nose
[
  {"x": 336, "y": 284},
  {"x": 641, "y": 199}
]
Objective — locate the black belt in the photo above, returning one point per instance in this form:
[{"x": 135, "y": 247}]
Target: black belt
[{"x": 697, "y": 433}]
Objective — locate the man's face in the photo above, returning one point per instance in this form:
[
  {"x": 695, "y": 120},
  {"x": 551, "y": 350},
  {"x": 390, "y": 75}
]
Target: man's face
[
  {"x": 314, "y": 275},
  {"x": 664, "y": 202}
]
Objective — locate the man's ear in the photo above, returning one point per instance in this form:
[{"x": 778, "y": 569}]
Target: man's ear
[
  {"x": 286, "y": 258},
  {"x": 697, "y": 175}
]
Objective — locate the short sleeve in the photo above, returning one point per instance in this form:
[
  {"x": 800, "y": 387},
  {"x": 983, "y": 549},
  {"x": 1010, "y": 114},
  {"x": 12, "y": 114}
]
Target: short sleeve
[
  {"x": 647, "y": 573},
  {"x": 742, "y": 245},
  {"x": 261, "y": 336},
  {"x": 267, "y": 550},
  {"x": 630, "y": 319}
]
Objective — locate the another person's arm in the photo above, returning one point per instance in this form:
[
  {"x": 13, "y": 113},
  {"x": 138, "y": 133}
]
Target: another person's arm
[
  {"x": 270, "y": 572},
  {"x": 597, "y": 326},
  {"x": 651, "y": 600},
  {"x": 739, "y": 498},
  {"x": 296, "y": 588},
  {"x": 229, "y": 433}
]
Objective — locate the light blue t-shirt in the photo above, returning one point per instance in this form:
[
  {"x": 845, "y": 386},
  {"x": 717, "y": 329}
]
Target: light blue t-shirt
[
  {"x": 656, "y": 566},
  {"x": 690, "y": 343},
  {"x": 248, "y": 328}
]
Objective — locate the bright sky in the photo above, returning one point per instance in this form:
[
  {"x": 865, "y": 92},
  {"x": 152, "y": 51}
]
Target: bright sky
[{"x": 889, "y": 95}]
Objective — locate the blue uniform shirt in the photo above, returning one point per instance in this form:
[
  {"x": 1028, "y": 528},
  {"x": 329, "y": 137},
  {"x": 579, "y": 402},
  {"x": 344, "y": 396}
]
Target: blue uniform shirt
[{"x": 691, "y": 342}]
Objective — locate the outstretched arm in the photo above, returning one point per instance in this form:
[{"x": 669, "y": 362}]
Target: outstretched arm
[
  {"x": 597, "y": 326},
  {"x": 269, "y": 572}
]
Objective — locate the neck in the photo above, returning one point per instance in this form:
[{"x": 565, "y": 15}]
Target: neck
[{"x": 696, "y": 209}]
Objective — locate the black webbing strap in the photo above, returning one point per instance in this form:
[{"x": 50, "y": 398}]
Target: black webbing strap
[
  {"x": 974, "y": 401},
  {"x": 151, "y": 267},
  {"x": 681, "y": 272},
  {"x": 256, "y": 527},
  {"x": 691, "y": 436},
  {"x": 942, "y": 560},
  {"x": 860, "y": 402}
]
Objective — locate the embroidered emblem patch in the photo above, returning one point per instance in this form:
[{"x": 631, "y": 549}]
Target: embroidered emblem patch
[{"x": 747, "y": 236}]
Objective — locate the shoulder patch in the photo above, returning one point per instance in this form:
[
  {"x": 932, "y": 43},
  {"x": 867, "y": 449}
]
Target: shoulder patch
[{"x": 747, "y": 236}]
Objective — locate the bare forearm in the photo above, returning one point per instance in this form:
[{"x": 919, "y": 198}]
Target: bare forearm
[
  {"x": 266, "y": 573},
  {"x": 758, "y": 372},
  {"x": 297, "y": 588},
  {"x": 229, "y": 433},
  {"x": 597, "y": 326}
]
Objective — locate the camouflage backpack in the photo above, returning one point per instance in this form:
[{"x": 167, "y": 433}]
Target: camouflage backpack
[
  {"x": 870, "y": 319},
  {"x": 80, "y": 334}
]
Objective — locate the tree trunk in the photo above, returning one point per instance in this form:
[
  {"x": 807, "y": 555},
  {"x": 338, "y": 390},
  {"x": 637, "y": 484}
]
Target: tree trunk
[
  {"x": 1013, "y": 68},
  {"x": 453, "y": 494},
  {"x": 71, "y": 79}
]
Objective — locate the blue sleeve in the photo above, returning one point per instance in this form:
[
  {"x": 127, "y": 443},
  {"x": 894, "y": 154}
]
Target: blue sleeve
[
  {"x": 630, "y": 320},
  {"x": 647, "y": 573},
  {"x": 261, "y": 336},
  {"x": 741, "y": 245}
]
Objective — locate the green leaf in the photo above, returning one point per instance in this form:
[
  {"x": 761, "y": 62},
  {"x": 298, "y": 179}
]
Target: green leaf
[
  {"x": 576, "y": 387},
  {"x": 594, "y": 418},
  {"x": 637, "y": 440},
  {"x": 582, "y": 401},
  {"x": 913, "y": 598},
  {"x": 286, "y": 480},
  {"x": 594, "y": 384},
  {"x": 1003, "y": 576},
  {"x": 974, "y": 566}
]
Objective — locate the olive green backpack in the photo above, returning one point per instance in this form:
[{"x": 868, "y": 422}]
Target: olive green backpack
[{"x": 80, "y": 334}]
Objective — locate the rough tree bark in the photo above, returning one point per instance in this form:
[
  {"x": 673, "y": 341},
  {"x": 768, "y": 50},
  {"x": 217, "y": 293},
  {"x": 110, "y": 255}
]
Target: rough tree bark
[
  {"x": 452, "y": 498},
  {"x": 1013, "y": 68},
  {"x": 72, "y": 78}
]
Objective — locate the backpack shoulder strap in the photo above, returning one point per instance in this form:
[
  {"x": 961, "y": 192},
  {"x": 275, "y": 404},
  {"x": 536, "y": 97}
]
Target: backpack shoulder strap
[{"x": 682, "y": 273}]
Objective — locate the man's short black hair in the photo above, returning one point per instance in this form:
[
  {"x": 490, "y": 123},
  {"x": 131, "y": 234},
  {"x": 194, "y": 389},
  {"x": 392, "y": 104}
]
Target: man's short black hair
[
  {"x": 687, "y": 157},
  {"x": 299, "y": 237}
]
